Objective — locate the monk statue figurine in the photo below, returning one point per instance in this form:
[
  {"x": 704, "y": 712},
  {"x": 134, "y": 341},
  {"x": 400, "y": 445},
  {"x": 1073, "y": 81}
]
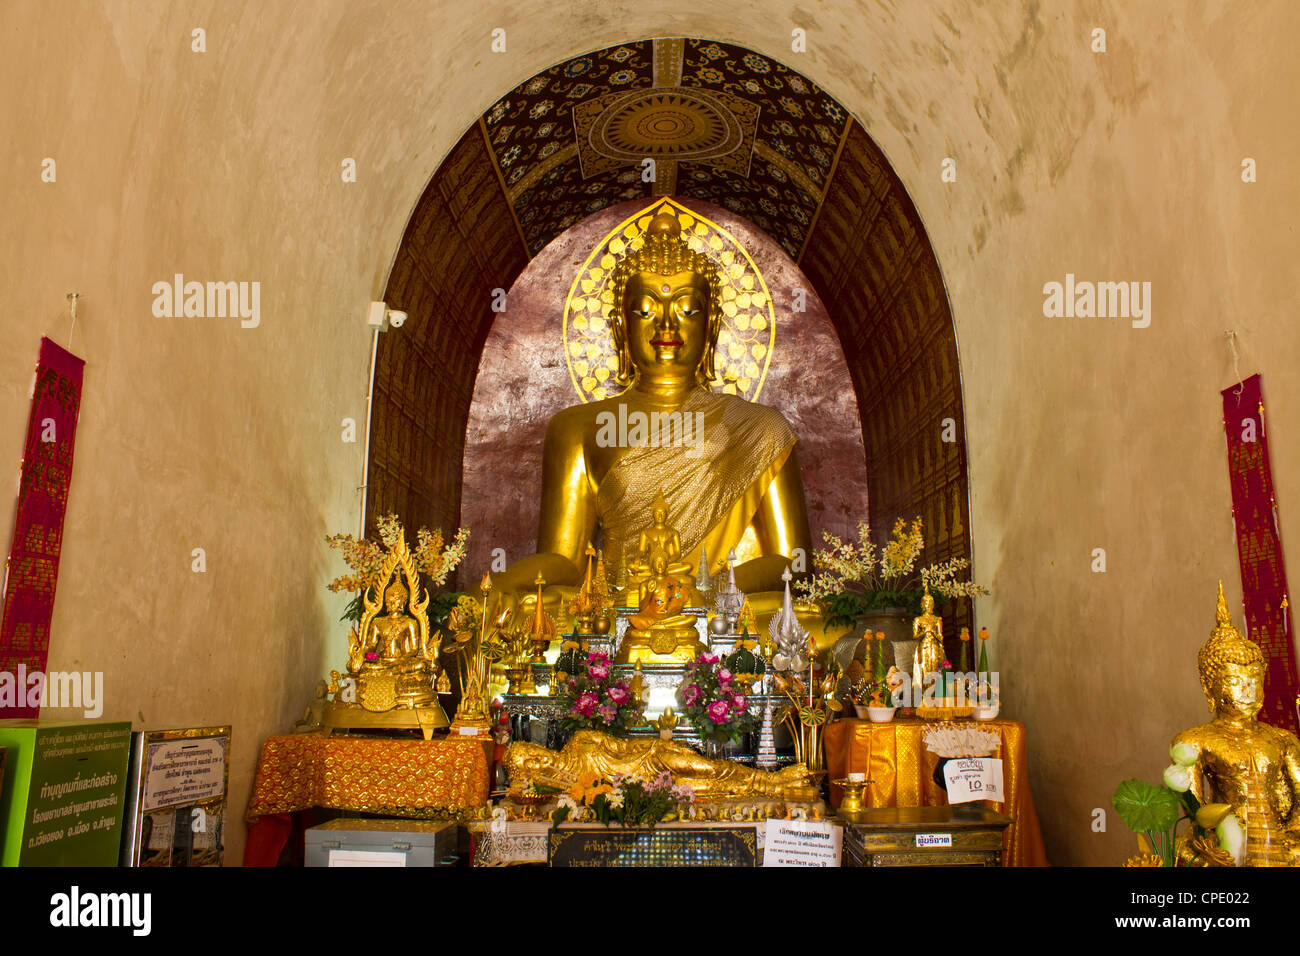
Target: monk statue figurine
[
  {"x": 1252, "y": 767},
  {"x": 728, "y": 466},
  {"x": 659, "y": 632},
  {"x": 594, "y": 752},
  {"x": 927, "y": 629}
]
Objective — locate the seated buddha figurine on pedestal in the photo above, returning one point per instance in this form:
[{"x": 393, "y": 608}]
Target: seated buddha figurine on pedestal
[
  {"x": 1252, "y": 767},
  {"x": 659, "y": 632},
  {"x": 732, "y": 476},
  {"x": 391, "y": 656}
]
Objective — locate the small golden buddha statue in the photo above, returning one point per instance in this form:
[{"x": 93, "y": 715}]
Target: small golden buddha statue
[
  {"x": 595, "y": 752},
  {"x": 1252, "y": 767},
  {"x": 394, "y": 634},
  {"x": 659, "y": 631},
  {"x": 392, "y": 660},
  {"x": 927, "y": 629},
  {"x": 657, "y": 536}
]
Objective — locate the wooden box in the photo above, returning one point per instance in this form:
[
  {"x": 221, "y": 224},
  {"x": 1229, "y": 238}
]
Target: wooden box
[{"x": 964, "y": 835}]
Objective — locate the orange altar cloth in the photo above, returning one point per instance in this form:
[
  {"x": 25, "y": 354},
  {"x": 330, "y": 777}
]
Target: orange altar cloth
[
  {"x": 420, "y": 779},
  {"x": 901, "y": 772}
]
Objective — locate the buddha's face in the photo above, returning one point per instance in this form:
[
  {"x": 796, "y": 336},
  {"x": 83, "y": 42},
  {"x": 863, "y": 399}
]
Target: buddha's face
[
  {"x": 393, "y": 601},
  {"x": 1239, "y": 690},
  {"x": 667, "y": 321},
  {"x": 659, "y": 563},
  {"x": 660, "y": 515}
]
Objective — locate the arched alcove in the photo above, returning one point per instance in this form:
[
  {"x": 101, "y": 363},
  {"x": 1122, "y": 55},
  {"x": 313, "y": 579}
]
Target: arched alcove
[{"x": 726, "y": 126}]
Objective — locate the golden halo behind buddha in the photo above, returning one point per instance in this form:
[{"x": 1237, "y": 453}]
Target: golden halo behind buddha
[{"x": 746, "y": 316}]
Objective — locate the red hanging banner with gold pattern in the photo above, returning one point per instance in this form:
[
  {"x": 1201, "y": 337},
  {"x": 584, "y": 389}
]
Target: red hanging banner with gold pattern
[
  {"x": 1259, "y": 547},
  {"x": 33, "y": 566}
]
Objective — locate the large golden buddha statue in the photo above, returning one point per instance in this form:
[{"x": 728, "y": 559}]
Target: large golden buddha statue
[
  {"x": 727, "y": 466},
  {"x": 1252, "y": 767},
  {"x": 594, "y": 752}
]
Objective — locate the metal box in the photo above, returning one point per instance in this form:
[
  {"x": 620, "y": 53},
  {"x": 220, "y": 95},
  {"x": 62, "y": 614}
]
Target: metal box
[{"x": 347, "y": 842}]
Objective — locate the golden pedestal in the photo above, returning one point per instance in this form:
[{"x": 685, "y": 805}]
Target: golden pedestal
[{"x": 340, "y": 716}]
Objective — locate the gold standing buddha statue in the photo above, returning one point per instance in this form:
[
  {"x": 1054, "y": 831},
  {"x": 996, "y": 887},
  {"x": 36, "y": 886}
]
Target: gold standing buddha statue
[
  {"x": 728, "y": 465},
  {"x": 1252, "y": 767},
  {"x": 927, "y": 629}
]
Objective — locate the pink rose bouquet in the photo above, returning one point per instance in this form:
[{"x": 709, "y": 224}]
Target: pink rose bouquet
[
  {"x": 716, "y": 706},
  {"x": 599, "y": 700}
]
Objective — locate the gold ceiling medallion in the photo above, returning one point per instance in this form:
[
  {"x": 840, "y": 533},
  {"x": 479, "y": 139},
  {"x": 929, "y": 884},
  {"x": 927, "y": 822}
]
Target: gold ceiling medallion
[
  {"x": 748, "y": 332},
  {"x": 686, "y": 125}
]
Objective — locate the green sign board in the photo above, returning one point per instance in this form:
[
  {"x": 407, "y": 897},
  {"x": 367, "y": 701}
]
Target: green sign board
[{"x": 63, "y": 790}]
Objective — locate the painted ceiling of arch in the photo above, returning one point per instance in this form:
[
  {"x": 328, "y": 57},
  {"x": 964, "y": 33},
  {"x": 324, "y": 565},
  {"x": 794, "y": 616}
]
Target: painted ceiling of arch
[{"x": 723, "y": 124}]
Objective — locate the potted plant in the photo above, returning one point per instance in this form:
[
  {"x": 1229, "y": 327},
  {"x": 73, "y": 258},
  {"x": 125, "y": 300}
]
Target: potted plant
[{"x": 882, "y": 585}]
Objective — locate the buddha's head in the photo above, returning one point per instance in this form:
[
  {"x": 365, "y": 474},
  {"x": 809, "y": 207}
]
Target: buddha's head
[
  {"x": 667, "y": 312},
  {"x": 395, "y": 598},
  {"x": 659, "y": 562},
  {"x": 1232, "y": 668},
  {"x": 927, "y": 602},
  {"x": 659, "y": 510}
]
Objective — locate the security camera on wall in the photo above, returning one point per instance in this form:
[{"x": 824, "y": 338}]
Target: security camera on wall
[{"x": 384, "y": 318}]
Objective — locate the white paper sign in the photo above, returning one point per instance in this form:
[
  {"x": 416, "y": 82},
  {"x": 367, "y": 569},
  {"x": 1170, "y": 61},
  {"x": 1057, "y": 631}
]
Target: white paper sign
[
  {"x": 934, "y": 839},
  {"x": 366, "y": 858},
  {"x": 469, "y": 731},
  {"x": 184, "y": 771},
  {"x": 801, "y": 843},
  {"x": 973, "y": 778}
]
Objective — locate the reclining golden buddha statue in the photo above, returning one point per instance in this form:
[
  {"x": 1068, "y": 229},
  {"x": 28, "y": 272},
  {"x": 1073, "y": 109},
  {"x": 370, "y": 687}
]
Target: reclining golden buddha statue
[
  {"x": 594, "y": 752},
  {"x": 729, "y": 471}
]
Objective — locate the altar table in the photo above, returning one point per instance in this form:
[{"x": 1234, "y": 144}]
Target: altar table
[
  {"x": 417, "y": 779},
  {"x": 901, "y": 772}
]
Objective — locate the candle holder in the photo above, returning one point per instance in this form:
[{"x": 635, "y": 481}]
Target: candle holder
[{"x": 851, "y": 805}]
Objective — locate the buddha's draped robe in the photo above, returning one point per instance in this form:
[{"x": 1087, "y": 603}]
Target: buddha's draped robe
[{"x": 713, "y": 489}]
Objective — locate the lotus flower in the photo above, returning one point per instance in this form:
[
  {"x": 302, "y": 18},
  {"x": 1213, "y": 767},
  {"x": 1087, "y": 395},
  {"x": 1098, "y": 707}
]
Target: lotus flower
[
  {"x": 1184, "y": 754},
  {"x": 1177, "y": 778},
  {"x": 1211, "y": 815},
  {"x": 1232, "y": 837}
]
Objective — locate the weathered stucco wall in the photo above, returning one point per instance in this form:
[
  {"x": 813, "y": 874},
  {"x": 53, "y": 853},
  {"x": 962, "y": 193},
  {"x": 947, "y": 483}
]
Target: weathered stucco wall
[{"x": 1082, "y": 433}]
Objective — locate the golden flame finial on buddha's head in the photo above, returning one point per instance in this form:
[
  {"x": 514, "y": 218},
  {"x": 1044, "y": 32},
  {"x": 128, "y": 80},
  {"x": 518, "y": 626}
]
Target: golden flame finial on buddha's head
[
  {"x": 1225, "y": 647},
  {"x": 665, "y": 254}
]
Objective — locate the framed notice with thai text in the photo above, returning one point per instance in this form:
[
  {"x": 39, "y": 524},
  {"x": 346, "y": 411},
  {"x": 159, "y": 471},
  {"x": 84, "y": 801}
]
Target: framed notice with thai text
[{"x": 177, "y": 798}]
